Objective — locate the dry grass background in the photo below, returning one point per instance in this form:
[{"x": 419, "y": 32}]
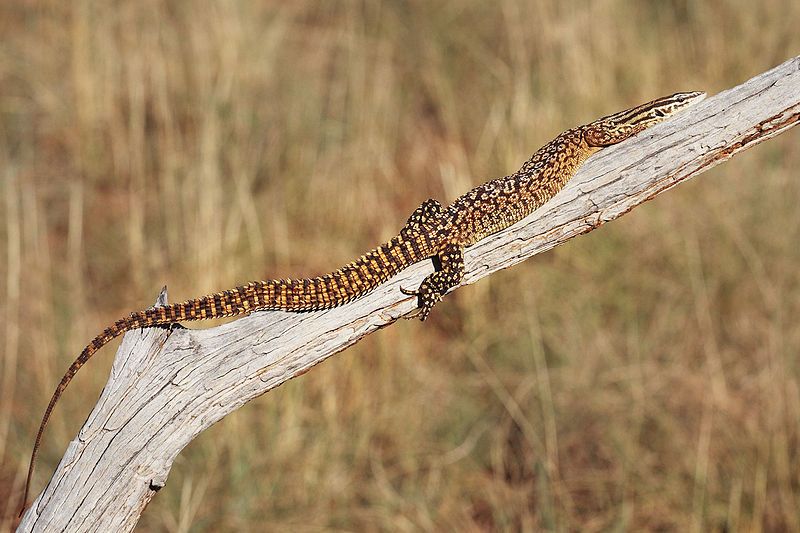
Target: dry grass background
[{"x": 645, "y": 376}]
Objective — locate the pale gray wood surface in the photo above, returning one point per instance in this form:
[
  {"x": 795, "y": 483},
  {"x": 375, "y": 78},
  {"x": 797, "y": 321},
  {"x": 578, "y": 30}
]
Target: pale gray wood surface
[{"x": 165, "y": 388}]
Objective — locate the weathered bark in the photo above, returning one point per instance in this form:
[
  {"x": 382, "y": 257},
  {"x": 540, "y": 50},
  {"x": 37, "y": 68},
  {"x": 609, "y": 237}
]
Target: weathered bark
[{"x": 166, "y": 387}]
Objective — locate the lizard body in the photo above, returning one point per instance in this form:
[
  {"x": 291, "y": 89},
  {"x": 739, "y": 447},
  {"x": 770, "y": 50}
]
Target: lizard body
[{"x": 431, "y": 231}]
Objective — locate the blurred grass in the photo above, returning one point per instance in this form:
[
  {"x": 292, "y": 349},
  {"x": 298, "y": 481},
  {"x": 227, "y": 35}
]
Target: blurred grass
[{"x": 643, "y": 377}]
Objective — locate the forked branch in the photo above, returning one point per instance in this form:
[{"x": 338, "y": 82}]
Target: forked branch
[{"x": 166, "y": 387}]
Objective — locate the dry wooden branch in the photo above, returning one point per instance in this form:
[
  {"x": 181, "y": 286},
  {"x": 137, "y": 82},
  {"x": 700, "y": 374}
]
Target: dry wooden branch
[{"x": 165, "y": 388}]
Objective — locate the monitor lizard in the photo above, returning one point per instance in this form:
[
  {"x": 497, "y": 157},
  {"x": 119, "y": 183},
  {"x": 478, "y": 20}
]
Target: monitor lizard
[{"x": 431, "y": 231}]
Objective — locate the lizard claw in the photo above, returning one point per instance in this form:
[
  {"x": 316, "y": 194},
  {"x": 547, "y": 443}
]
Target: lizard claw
[
  {"x": 409, "y": 293},
  {"x": 417, "y": 312}
]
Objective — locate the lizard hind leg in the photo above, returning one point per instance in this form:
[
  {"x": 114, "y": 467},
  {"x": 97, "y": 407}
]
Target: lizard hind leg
[
  {"x": 436, "y": 285},
  {"x": 427, "y": 213}
]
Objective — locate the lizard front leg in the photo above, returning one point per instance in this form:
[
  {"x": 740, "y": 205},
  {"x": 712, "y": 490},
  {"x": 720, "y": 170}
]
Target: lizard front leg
[{"x": 433, "y": 287}]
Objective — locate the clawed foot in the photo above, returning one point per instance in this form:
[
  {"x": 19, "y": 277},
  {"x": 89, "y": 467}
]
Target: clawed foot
[
  {"x": 448, "y": 275},
  {"x": 426, "y": 297}
]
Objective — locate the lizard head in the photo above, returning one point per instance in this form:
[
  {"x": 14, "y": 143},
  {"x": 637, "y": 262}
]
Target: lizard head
[{"x": 616, "y": 128}]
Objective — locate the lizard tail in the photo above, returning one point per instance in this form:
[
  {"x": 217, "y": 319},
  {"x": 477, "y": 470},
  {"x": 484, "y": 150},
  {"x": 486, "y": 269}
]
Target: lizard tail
[
  {"x": 309, "y": 294},
  {"x": 118, "y": 328}
]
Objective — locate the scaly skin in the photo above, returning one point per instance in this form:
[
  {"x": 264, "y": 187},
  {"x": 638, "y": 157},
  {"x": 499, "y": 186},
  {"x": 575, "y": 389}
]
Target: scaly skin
[{"x": 431, "y": 231}]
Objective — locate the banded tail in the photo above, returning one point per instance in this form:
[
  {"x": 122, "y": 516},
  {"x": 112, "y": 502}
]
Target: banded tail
[{"x": 309, "y": 294}]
